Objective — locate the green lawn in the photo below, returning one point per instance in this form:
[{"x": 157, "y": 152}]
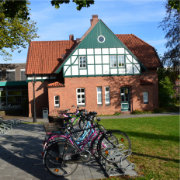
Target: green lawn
[{"x": 155, "y": 145}]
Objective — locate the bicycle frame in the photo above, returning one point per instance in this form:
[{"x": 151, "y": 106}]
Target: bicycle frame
[{"x": 89, "y": 136}]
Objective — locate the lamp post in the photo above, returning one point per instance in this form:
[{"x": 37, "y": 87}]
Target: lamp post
[{"x": 34, "y": 99}]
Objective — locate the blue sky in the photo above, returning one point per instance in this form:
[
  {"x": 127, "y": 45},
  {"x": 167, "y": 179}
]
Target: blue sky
[{"x": 139, "y": 17}]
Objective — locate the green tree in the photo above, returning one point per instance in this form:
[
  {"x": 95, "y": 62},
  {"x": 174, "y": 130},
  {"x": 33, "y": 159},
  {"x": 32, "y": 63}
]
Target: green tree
[
  {"x": 79, "y": 3},
  {"x": 174, "y": 4},
  {"x": 170, "y": 26},
  {"x": 16, "y": 28},
  {"x": 167, "y": 78}
]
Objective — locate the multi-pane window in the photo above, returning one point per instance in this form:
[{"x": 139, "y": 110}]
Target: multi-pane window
[
  {"x": 82, "y": 62},
  {"x": 113, "y": 61},
  {"x": 56, "y": 101},
  {"x": 99, "y": 95},
  {"x": 2, "y": 98},
  {"x": 10, "y": 75},
  {"x": 107, "y": 95},
  {"x": 145, "y": 98},
  {"x": 120, "y": 60},
  {"x": 23, "y": 76},
  {"x": 116, "y": 61},
  {"x": 80, "y": 94}
]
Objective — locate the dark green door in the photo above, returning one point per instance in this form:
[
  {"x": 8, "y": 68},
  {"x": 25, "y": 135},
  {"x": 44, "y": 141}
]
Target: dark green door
[{"x": 125, "y": 99}]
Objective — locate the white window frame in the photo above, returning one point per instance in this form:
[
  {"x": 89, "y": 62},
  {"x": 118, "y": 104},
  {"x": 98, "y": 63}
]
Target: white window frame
[
  {"x": 82, "y": 62},
  {"x": 107, "y": 101},
  {"x": 113, "y": 65},
  {"x": 145, "y": 97},
  {"x": 99, "y": 101},
  {"x": 81, "y": 98},
  {"x": 1, "y": 75},
  {"x": 55, "y": 101},
  {"x": 122, "y": 62},
  {"x": 21, "y": 71},
  {"x": 11, "y": 70}
]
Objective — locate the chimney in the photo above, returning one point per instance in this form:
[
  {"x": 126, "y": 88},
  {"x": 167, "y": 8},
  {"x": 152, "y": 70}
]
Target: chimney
[
  {"x": 71, "y": 37},
  {"x": 94, "y": 20}
]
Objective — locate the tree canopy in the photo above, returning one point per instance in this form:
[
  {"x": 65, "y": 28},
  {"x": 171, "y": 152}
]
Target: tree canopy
[
  {"x": 79, "y": 3},
  {"x": 16, "y": 28},
  {"x": 170, "y": 26},
  {"x": 174, "y": 4}
]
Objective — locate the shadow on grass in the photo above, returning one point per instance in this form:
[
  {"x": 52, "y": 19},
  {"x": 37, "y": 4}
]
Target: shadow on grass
[
  {"x": 150, "y": 135},
  {"x": 157, "y": 157}
]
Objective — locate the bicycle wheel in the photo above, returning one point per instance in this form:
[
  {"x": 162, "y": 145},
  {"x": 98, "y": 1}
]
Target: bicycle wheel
[
  {"x": 59, "y": 160},
  {"x": 82, "y": 123},
  {"x": 114, "y": 146}
]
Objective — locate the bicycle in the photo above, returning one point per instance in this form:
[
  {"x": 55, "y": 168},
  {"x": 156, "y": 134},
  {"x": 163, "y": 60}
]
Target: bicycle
[{"x": 71, "y": 151}]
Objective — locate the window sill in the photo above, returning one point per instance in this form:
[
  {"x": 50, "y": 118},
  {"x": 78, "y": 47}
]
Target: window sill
[
  {"x": 81, "y": 105},
  {"x": 113, "y": 67}
]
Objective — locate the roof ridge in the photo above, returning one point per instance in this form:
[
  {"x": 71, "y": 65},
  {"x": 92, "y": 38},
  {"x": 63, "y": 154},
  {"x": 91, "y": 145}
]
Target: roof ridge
[
  {"x": 51, "y": 41},
  {"x": 142, "y": 41},
  {"x": 88, "y": 31},
  {"x": 124, "y": 34}
]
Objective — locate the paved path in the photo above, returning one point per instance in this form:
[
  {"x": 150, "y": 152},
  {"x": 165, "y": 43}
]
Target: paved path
[
  {"x": 138, "y": 115},
  {"x": 20, "y": 157},
  {"x": 102, "y": 117}
]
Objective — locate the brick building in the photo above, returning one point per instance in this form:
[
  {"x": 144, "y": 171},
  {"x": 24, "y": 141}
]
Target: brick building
[
  {"x": 13, "y": 89},
  {"x": 101, "y": 71}
]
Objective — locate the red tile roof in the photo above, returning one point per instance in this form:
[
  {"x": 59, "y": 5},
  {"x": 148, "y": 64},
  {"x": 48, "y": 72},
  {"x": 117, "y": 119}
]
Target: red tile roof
[
  {"x": 143, "y": 51},
  {"x": 55, "y": 84},
  {"x": 44, "y": 57}
]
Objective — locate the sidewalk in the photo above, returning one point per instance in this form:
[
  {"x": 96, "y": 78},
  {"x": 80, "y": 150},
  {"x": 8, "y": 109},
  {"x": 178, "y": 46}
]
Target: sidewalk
[
  {"x": 121, "y": 116},
  {"x": 20, "y": 157}
]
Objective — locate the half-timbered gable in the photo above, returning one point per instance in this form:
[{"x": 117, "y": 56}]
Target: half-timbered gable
[{"x": 100, "y": 53}]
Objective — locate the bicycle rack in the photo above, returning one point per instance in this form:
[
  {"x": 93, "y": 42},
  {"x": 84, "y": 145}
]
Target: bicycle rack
[
  {"x": 116, "y": 169},
  {"x": 6, "y": 125}
]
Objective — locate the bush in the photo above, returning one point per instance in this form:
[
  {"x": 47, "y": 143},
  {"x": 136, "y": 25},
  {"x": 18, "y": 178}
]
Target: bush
[
  {"x": 167, "y": 79},
  {"x": 117, "y": 113},
  {"x": 141, "y": 112},
  {"x": 166, "y": 92}
]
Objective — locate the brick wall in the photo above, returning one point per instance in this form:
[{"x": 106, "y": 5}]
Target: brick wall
[
  {"x": 16, "y": 67},
  {"x": 67, "y": 94},
  {"x": 41, "y": 94}
]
